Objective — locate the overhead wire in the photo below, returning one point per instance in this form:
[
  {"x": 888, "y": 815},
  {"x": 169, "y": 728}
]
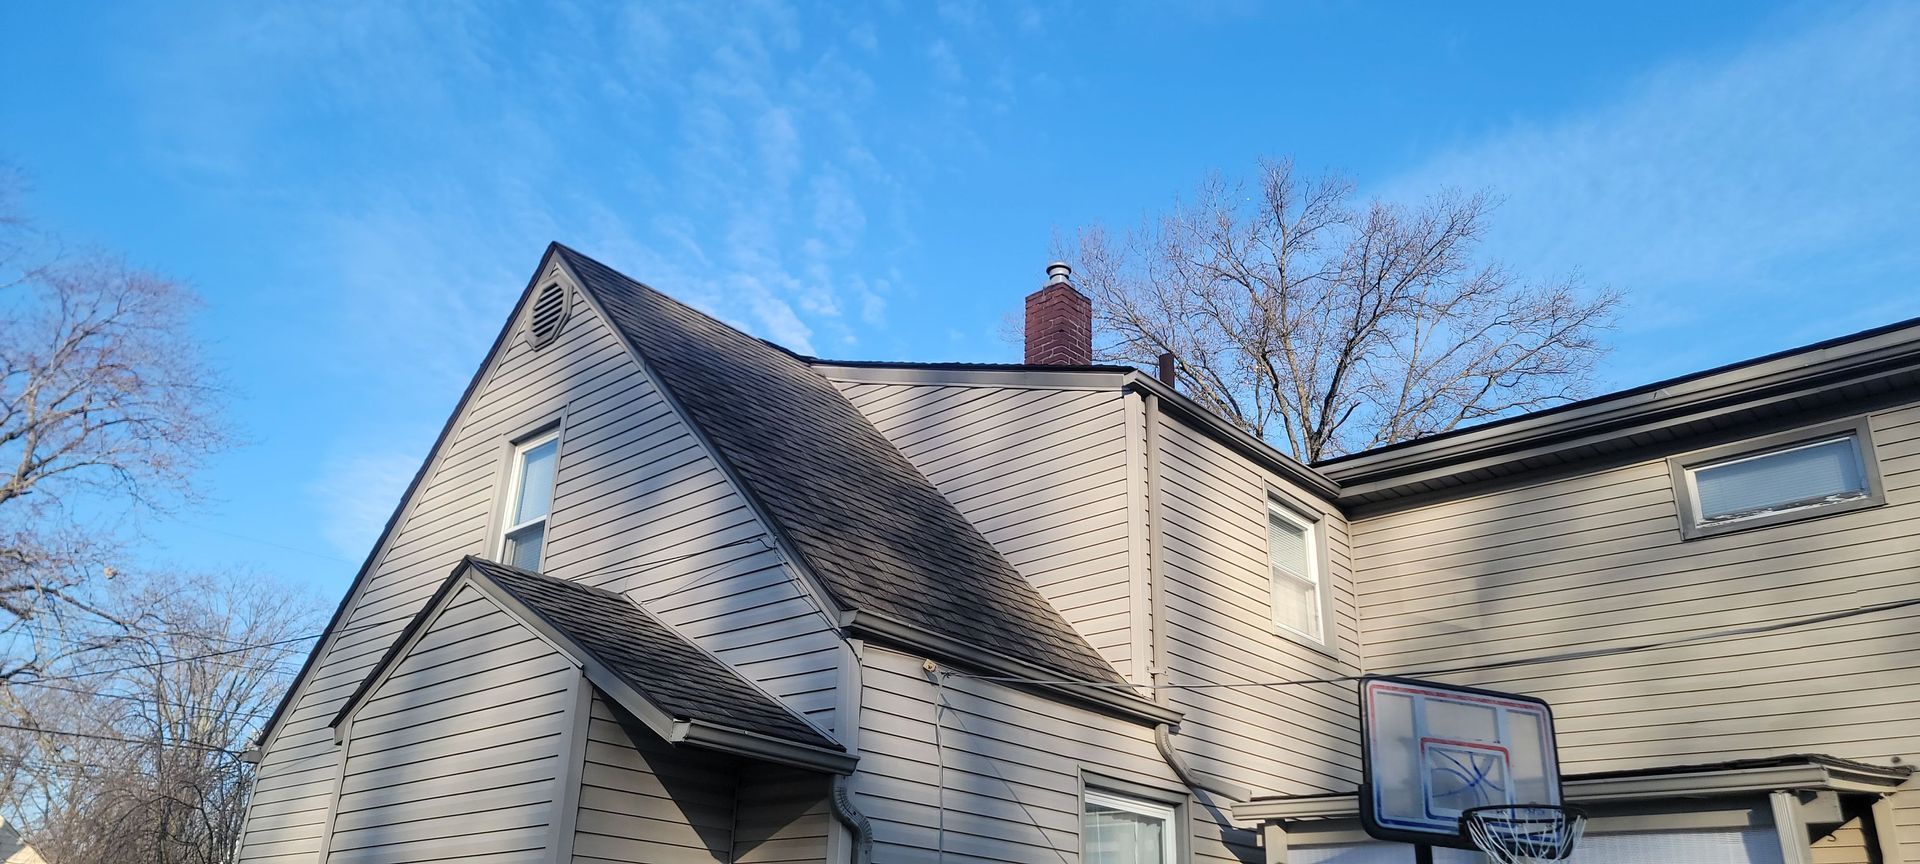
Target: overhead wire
[
  {"x": 1587, "y": 654},
  {"x": 95, "y": 736}
]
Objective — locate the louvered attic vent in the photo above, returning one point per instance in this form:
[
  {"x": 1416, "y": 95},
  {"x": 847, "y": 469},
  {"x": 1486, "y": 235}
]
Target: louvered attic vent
[{"x": 548, "y": 314}]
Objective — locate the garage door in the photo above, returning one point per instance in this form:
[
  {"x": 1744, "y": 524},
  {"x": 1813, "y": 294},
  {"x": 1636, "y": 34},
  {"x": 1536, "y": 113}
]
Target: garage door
[{"x": 1747, "y": 846}]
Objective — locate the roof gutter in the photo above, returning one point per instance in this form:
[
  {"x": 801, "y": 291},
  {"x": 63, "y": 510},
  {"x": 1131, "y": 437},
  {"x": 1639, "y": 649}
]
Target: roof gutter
[
  {"x": 754, "y": 745},
  {"x": 1779, "y": 377},
  {"x": 1808, "y": 776}
]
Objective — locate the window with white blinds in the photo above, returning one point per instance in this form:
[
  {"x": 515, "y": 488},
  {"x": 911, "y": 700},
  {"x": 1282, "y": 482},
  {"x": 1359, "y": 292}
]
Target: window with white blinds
[
  {"x": 1293, "y": 555},
  {"x": 1772, "y": 481},
  {"x": 1115, "y": 829}
]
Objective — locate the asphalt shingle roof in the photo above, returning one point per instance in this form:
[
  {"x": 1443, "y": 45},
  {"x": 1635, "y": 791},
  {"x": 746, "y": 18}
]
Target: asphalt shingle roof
[
  {"x": 867, "y": 522},
  {"x": 675, "y": 675}
]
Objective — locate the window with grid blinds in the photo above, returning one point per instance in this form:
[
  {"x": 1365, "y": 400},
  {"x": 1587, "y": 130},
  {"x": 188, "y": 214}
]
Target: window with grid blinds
[{"x": 1296, "y": 588}]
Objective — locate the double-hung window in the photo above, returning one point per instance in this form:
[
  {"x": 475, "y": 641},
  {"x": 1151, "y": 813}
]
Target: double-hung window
[
  {"x": 1293, "y": 554},
  {"x": 1115, "y": 829},
  {"x": 523, "y": 534},
  {"x": 1813, "y": 472}
]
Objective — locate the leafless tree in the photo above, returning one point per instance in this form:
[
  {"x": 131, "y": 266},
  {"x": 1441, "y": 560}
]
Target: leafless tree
[
  {"x": 1327, "y": 326},
  {"x": 104, "y": 406},
  {"x": 132, "y": 752}
]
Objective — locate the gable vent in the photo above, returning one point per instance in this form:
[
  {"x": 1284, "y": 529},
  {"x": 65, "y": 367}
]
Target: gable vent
[{"x": 549, "y": 312}]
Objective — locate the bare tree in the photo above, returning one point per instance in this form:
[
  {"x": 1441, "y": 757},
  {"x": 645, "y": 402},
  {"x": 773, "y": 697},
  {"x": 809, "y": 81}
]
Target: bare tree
[
  {"x": 103, "y": 406},
  {"x": 132, "y": 752},
  {"x": 1328, "y": 327}
]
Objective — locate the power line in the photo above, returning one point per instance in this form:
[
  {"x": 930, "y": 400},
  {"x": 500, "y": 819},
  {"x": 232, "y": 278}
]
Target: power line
[
  {"x": 251, "y": 715},
  {"x": 191, "y": 745},
  {"x": 243, "y": 646},
  {"x": 1588, "y": 654}
]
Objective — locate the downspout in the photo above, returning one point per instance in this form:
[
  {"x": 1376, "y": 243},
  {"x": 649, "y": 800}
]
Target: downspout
[
  {"x": 840, "y": 796},
  {"x": 1157, "y": 617},
  {"x": 856, "y": 821}
]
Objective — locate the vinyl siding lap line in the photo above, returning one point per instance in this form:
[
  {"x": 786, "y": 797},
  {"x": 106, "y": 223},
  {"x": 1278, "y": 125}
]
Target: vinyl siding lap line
[
  {"x": 986, "y": 433},
  {"x": 539, "y": 693},
  {"x": 1501, "y": 648},
  {"x": 1591, "y": 712},
  {"x": 1503, "y": 611},
  {"x": 1851, "y": 529},
  {"x": 1663, "y": 616}
]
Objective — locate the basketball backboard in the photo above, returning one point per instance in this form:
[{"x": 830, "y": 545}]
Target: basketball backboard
[{"x": 1429, "y": 752}]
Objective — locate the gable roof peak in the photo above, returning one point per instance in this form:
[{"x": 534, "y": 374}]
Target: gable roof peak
[{"x": 859, "y": 517}]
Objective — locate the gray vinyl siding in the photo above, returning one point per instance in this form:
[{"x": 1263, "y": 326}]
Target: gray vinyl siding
[
  {"x": 1014, "y": 764},
  {"x": 1906, "y": 820},
  {"x": 459, "y": 752},
  {"x": 1220, "y": 630},
  {"x": 1597, "y": 561},
  {"x": 639, "y": 506},
  {"x": 1042, "y": 472},
  {"x": 643, "y": 800},
  {"x": 1845, "y": 844},
  {"x": 783, "y": 817}
]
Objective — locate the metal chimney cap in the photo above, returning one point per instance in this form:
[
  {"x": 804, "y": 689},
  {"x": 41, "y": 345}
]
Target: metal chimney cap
[{"x": 1058, "y": 273}]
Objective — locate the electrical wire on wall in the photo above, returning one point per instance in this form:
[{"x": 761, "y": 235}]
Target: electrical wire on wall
[
  {"x": 939, "y": 760},
  {"x": 941, "y": 709}
]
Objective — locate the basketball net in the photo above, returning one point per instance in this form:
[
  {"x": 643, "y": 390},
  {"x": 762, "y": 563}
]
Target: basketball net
[{"x": 1524, "y": 833}]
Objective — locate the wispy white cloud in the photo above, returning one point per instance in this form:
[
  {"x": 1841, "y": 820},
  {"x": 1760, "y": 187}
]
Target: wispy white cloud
[
  {"x": 356, "y": 494},
  {"x": 1781, "y": 174}
]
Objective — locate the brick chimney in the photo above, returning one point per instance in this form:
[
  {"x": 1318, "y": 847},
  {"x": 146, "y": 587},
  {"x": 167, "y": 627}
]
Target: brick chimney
[{"x": 1059, "y": 322}]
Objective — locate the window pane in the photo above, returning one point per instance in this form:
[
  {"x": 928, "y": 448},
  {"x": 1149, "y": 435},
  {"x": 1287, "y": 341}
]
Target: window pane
[
  {"x": 1296, "y": 604},
  {"x": 1114, "y": 836},
  {"x": 1296, "y": 595},
  {"x": 1287, "y": 545},
  {"x": 536, "y": 482},
  {"x": 523, "y": 546},
  {"x": 1814, "y": 474}
]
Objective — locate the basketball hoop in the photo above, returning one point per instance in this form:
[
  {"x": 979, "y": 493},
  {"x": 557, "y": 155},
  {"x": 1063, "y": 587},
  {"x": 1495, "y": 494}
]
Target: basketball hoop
[{"x": 1524, "y": 833}]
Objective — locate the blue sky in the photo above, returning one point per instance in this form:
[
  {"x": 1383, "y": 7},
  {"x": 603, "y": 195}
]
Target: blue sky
[{"x": 359, "y": 189}]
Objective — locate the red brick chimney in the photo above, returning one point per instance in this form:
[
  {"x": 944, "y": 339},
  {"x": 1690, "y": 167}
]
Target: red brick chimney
[{"x": 1059, "y": 322}]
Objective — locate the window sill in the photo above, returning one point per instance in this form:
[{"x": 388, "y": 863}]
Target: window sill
[
  {"x": 1291, "y": 635},
  {"x": 1690, "y": 531}
]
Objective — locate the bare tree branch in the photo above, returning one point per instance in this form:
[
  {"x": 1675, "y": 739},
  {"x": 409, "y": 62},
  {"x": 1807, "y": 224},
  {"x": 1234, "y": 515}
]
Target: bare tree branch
[
  {"x": 1327, "y": 328},
  {"x": 102, "y": 401}
]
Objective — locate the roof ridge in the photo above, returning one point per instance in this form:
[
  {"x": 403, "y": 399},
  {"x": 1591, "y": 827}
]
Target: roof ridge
[{"x": 872, "y": 530}]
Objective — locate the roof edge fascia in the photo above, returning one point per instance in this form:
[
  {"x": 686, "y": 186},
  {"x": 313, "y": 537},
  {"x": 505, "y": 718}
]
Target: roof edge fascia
[
  {"x": 463, "y": 573},
  {"x": 754, "y": 745},
  {"x": 1810, "y": 776},
  {"x": 671, "y": 729},
  {"x": 1248, "y": 445},
  {"x": 981, "y": 376},
  {"x": 1885, "y": 351},
  {"x": 1112, "y": 700}
]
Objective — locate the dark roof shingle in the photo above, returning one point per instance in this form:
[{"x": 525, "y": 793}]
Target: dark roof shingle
[
  {"x": 869, "y": 525},
  {"x": 675, "y": 675}
]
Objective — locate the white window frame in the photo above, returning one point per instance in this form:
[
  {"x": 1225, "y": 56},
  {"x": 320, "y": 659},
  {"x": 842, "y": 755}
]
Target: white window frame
[
  {"x": 1168, "y": 814},
  {"x": 1684, "y": 468},
  {"x": 1315, "y": 575},
  {"x": 518, "y": 469}
]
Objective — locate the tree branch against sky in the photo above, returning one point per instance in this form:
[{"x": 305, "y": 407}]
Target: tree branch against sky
[
  {"x": 1327, "y": 326},
  {"x": 132, "y": 752},
  {"x": 104, "y": 405}
]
